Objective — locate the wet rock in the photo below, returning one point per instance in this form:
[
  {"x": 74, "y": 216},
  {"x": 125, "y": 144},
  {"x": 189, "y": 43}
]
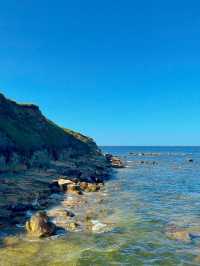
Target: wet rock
[
  {"x": 61, "y": 185},
  {"x": 149, "y": 162},
  {"x": 108, "y": 157},
  {"x": 63, "y": 181},
  {"x": 69, "y": 214},
  {"x": 93, "y": 187},
  {"x": 54, "y": 187},
  {"x": 115, "y": 161},
  {"x": 40, "y": 226},
  {"x": 132, "y": 153},
  {"x": 74, "y": 189},
  {"x": 61, "y": 213},
  {"x": 90, "y": 187},
  {"x": 72, "y": 226},
  {"x": 83, "y": 185}
]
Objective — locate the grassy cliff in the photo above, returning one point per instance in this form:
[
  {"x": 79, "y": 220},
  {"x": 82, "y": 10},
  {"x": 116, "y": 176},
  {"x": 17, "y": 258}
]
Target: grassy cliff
[
  {"x": 24, "y": 131},
  {"x": 28, "y": 130}
]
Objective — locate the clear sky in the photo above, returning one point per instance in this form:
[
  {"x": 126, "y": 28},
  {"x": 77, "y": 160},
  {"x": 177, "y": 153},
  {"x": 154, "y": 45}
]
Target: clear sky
[{"x": 124, "y": 72}]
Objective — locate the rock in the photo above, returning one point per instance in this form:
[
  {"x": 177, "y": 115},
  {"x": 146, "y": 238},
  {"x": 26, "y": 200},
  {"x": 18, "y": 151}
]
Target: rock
[
  {"x": 62, "y": 181},
  {"x": 75, "y": 189},
  {"x": 178, "y": 234},
  {"x": 83, "y": 185},
  {"x": 64, "y": 184},
  {"x": 72, "y": 226},
  {"x": 93, "y": 187},
  {"x": 61, "y": 213},
  {"x": 54, "y": 187},
  {"x": 108, "y": 157},
  {"x": 69, "y": 214},
  {"x": 40, "y": 226},
  {"x": 61, "y": 185},
  {"x": 90, "y": 187},
  {"x": 115, "y": 161}
]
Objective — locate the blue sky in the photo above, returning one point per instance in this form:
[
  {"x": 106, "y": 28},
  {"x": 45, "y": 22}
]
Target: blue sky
[{"x": 123, "y": 72}]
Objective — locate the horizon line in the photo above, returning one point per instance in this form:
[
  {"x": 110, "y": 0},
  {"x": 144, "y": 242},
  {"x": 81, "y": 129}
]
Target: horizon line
[{"x": 197, "y": 146}]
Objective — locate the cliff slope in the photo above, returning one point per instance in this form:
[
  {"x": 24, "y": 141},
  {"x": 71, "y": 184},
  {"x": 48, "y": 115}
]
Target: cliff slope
[{"x": 28, "y": 139}]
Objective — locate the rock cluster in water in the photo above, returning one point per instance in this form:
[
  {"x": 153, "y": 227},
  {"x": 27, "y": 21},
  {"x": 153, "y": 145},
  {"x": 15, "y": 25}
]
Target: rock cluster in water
[
  {"x": 39, "y": 225},
  {"x": 115, "y": 161}
]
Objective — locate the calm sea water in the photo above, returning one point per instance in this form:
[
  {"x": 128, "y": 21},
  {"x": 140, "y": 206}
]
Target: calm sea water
[{"x": 138, "y": 204}]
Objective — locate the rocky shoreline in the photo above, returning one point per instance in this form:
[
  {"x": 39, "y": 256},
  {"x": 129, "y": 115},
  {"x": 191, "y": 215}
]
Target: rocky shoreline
[
  {"x": 40, "y": 163},
  {"x": 27, "y": 196}
]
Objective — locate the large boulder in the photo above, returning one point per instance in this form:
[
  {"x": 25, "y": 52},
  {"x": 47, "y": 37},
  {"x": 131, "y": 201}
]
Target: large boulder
[{"x": 40, "y": 226}]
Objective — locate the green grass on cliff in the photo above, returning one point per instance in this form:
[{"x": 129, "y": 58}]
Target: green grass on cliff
[
  {"x": 28, "y": 129},
  {"x": 78, "y": 136}
]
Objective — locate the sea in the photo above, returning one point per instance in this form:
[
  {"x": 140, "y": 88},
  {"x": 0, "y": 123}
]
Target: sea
[{"x": 157, "y": 192}]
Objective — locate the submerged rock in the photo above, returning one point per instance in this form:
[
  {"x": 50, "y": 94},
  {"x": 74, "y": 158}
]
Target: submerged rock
[
  {"x": 90, "y": 187},
  {"x": 40, "y": 226},
  {"x": 97, "y": 227},
  {"x": 179, "y": 234},
  {"x": 93, "y": 188},
  {"x": 61, "y": 213},
  {"x": 72, "y": 226}
]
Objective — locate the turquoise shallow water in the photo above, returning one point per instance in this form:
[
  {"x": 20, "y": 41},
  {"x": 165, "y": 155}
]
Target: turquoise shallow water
[{"x": 138, "y": 204}]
